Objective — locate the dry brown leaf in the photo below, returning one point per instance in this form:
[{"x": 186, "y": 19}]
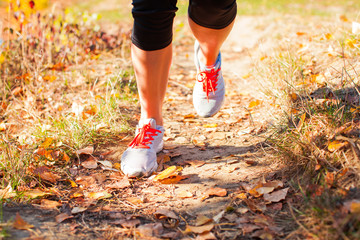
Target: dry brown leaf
[
  {"x": 62, "y": 217},
  {"x": 219, "y": 192},
  {"x": 76, "y": 210},
  {"x": 202, "y": 220},
  {"x": 49, "y": 204},
  {"x": 20, "y": 223},
  {"x": 66, "y": 158},
  {"x": 195, "y": 163},
  {"x": 86, "y": 181},
  {"x": 88, "y": 150},
  {"x": 127, "y": 223},
  {"x": 170, "y": 171},
  {"x": 249, "y": 228},
  {"x": 35, "y": 193},
  {"x": 184, "y": 194},
  {"x": 206, "y": 236},
  {"x": 276, "y": 196},
  {"x": 162, "y": 214},
  {"x": 151, "y": 229},
  {"x": 135, "y": 200},
  {"x": 44, "y": 173},
  {"x": 90, "y": 164},
  {"x": 199, "y": 229},
  {"x": 124, "y": 183},
  {"x": 7, "y": 192}
]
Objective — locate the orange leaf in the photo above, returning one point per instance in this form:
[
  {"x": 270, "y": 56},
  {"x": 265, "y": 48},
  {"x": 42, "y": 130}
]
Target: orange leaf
[
  {"x": 49, "y": 78},
  {"x": 184, "y": 194},
  {"x": 47, "y": 142},
  {"x": 170, "y": 171},
  {"x": 20, "y": 223},
  {"x": 219, "y": 192},
  {"x": 98, "y": 195},
  {"x": 172, "y": 179},
  {"x": 255, "y": 103},
  {"x": 336, "y": 145}
]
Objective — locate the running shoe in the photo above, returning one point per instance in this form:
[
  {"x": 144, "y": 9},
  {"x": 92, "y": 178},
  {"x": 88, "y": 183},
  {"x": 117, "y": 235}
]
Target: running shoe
[
  {"x": 209, "y": 89},
  {"x": 139, "y": 159}
]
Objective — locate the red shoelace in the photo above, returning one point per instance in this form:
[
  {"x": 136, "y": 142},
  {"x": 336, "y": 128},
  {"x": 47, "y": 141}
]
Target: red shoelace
[
  {"x": 144, "y": 137},
  {"x": 209, "y": 80}
]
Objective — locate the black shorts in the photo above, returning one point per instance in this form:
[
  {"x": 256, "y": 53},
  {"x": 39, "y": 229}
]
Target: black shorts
[{"x": 153, "y": 19}]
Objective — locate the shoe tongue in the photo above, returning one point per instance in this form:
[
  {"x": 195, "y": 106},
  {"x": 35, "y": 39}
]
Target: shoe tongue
[{"x": 147, "y": 121}]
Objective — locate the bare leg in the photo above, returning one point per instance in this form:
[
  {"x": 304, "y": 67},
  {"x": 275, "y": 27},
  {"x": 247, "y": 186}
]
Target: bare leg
[
  {"x": 210, "y": 40},
  {"x": 152, "y": 73}
]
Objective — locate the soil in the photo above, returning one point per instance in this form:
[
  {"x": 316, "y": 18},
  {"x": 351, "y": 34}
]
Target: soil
[{"x": 228, "y": 151}]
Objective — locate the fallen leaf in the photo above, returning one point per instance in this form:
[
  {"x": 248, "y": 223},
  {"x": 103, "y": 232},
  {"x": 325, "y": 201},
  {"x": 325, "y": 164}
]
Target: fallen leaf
[
  {"x": 7, "y": 192},
  {"x": 206, "y": 236},
  {"x": 2, "y": 126},
  {"x": 219, "y": 192},
  {"x": 255, "y": 103},
  {"x": 88, "y": 150},
  {"x": 173, "y": 179},
  {"x": 35, "y": 193},
  {"x": 210, "y": 125},
  {"x": 98, "y": 195},
  {"x": 241, "y": 196},
  {"x": 47, "y": 142},
  {"x": 165, "y": 213},
  {"x": 124, "y": 183},
  {"x": 86, "y": 181},
  {"x": 329, "y": 178},
  {"x": 49, "y": 204},
  {"x": 44, "y": 173},
  {"x": 106, "y": 163},
  {"x": 20, "y": 223},
  {"x": 127, "y": 223},
  {"x": 62, "y": 217},
  {"x": 170, "y": 171},
  {"x": 336, "y": 145},
  {"x": 199, "y": 229},
  {"x": 184, "y": 194},
  {"x": 150, "y": 229},
  {"x": 195, "y": 163},
  {"x": 276, "y": 196},
  {"x": 188, "y": 116},
  {"x": 49, "y": 78},
  {"x": 90, "y": 164},
  {"x": 66, "y": 158},
  {"x": 249, "y": 228},
  {"x": 202, "y": 220},
  {"x": 135, "y": 200},
  {"x": 76, "y": 210}
]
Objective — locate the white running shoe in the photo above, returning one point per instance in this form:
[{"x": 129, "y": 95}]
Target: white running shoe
[
  {"x": 139, "y": 159},
  {"x": 209, "y": 89}
]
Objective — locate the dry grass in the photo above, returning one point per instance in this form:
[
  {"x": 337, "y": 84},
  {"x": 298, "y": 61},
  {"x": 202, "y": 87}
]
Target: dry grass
[
  {"x": 317, "y": 68},
  {"x": 63, "y": 79}
]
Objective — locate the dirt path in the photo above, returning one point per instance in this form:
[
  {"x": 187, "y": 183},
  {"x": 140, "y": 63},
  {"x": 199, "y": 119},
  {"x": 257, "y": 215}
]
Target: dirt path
[{"x": 227, "y": 151}]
